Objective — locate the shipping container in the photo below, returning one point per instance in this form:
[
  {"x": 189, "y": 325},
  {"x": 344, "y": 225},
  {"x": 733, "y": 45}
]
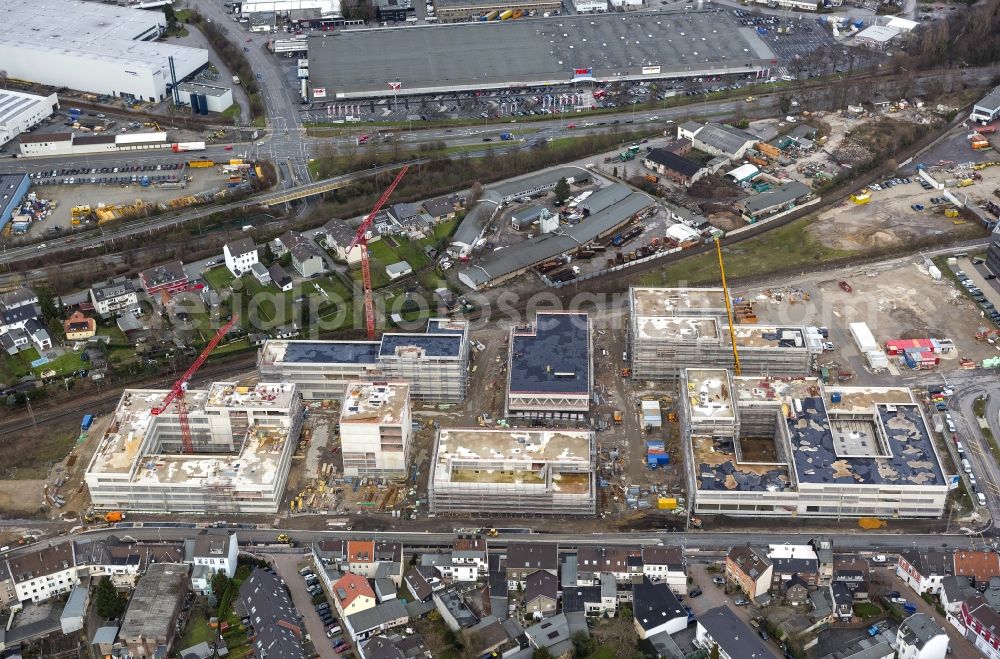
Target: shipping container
[{"x": 179, "y": 147}]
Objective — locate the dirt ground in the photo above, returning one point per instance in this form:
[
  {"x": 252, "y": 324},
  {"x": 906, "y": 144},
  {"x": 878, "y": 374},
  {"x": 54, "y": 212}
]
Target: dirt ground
[
  {"x": 67, "y": 196},
  {"x": 897, "y": 300}
]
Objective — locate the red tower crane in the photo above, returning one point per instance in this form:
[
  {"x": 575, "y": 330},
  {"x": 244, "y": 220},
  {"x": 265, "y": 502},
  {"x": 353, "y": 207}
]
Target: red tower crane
[
  {"x": 361, "y": 239},
  {"x": 177, "y": 391}
]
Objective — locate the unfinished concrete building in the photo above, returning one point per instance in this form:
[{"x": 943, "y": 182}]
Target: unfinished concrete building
[
  {"x": 675, "y": 328},
  {"x": 549, "y": 374},
  {"x": 243, "y": 438},
  {"x": 434, "y": 363},
  {"x": 764, "y": 446},
  {"x": 375, "y": 429},
  {"x": 513, "y": 472}
]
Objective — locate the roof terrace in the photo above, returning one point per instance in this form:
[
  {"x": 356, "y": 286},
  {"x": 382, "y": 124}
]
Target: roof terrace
[
  {"x": 374, "y": 403},
  {"x": 677, "y": 301},
  {"x": 709, "y": 393}
]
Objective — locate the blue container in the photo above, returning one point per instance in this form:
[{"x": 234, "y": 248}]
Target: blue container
[{"x": 835, "y": 397}]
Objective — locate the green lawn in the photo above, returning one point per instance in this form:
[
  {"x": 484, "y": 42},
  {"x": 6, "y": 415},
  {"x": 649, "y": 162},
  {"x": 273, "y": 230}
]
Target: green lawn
[
  {"x": 787, "y": 246},
  {"x": 604, "y": 652},
  {"x": 445, "y": 229},
  {"x": 197, "y": 630},
  {"x": 334, "y": 287},
  {"x": 866, "y": 610},
  {"x": 16, "y": 366},
  {"x": 64, "y": 364},
  {"x": 267, "y": 302},
  {"x": 411, "y": 252},
  {"x": 218, "y": 277}
]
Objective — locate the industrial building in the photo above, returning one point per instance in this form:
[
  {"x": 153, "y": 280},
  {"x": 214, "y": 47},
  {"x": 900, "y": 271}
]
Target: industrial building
[
  {"x": 20, "y": 112},
  {"x": 67, "y": 144},
  {"x": 92, "y": 47},
  {"x": 453, "y": 11},
  {"x": 791, "y": 446},
  {"x": 675, "y": 328},
  {"x": 376, "y": 429},
  {"x": 876, "y": 36},
  {"x": 513, "y": 472},
  {"x": 531, "y": 52},
  {"x": 243, "y": 438},
  {"x": 212, "y": 98},
  {"x": 987, "y": 109},
  {"x": 151, "y": 620},
  {"x": 776, "y": 200},
  {"x": 434, "y": 363},
  {"x": 549, "y": 372},
  {"x": 13, "y": 187},
  {"x": 607, "y": 210}
]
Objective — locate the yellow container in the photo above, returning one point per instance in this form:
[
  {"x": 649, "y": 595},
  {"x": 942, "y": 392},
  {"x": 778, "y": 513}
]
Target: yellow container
[{"x": 666, "y": 503}]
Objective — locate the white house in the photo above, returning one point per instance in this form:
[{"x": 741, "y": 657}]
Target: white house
[
  {"x": 39, "y": 575},
  {"x": 468, "y": 558},
  {"x": 108, "y": 299},
  {"x": 210, "y": 552},
  {"x": 261, "y": 274},
  {"x": 663, "y": 563},
  {"x": 280, "y": 278},
  {"x": 736, "y": 640},
  {"x": 656, "y": 609},
  {"x": 923, "y": 571},
  {"x": 919, "y": 637},
  {"x": 240, "y": 256},
  {"x": 338, "y": 235}
]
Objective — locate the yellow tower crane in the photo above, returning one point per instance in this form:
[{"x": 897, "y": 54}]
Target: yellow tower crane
[{"x": 729, "y": 308}]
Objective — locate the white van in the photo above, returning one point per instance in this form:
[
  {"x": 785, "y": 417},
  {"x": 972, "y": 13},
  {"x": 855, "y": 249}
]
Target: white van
[
  {"x": 981, "y": 499},
  {"x": 958, "y": 446},
  {"x": 966, "y": 467}
]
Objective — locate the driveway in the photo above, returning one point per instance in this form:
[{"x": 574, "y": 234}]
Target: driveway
[
  {"x": 287, "y": 568},
  {"x": 961, "y": 648}
]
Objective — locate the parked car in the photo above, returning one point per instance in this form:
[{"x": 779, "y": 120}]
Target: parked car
[
  {"x": 741, "y": 602},
  {"x": 718, "y": 581}
]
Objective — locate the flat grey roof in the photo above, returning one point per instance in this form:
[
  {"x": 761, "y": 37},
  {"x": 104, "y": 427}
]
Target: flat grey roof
[
  {"x": 434, "y": 345},
  {"x": 991, "y": 101},
  {"x": 331, "y": 352},
  {"x": 531, "y": 51},
  {"x": 776, "y": 196},
  {"x": 552, "y": 355},
  {"x": 201, "y": 88},
  {"x": 733, "y": 635}
]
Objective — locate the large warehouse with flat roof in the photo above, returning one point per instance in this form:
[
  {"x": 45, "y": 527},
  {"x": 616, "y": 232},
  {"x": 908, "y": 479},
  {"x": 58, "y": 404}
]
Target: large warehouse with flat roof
[
  {"x": 534, "y": 51},
  {"x": 92, "y": 47}
]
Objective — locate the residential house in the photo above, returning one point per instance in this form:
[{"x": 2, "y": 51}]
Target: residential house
[
  {"x": 74, "y": 614},
  {"x": 488, "y": 638},
  {"x": 43, "y": 573},
  {"x": 454, "y": 611},
  {"x": 279, "y": 277},
  {"x": 980, "y": 623},
  {"x": 923, "y": 570},
  {"x": 38, "y": 334},
  {"x": 750, "y": 569},
  {"x": 150, "y": 623},
  {"x": 855, "y": 574},
  {"x": 655, "y": 609},
  {"x": 240, "y": 255},
  {"x": 843, "y": 600},
  {"x": 443, "y": 208},
  {"x": 351, "y": 594},
  {"x": 593, "y": 561},
  {"x": 735, "y": 639},
  {"x": 665, "y": 563},
  {"x": 796, "y": 591},
  {"x": 109, "y": 299},
  {"x": 403, "y": 213},
  {"x": 374, "y": 560},
  {"x": 306, "y": 259},
  {"x": 592, "y": 600},
  {"x": 327, "y": 558},
  {"x": 919, "y": 637},
  {"x": 394, "y": 646},
  {"x": 541, "y": 594},
  {"x": 211, "y": 551},
  {"x": 123, "y": 562},
  {"x": 276, "y": 630},
  {"x": 339, "y": 236},
  {"x": 788, "y": 560},
  {"x": 551, "y": 634},
  {"x": 169, "y": 277},
  {"x": 384, "y": 590},
  {"x": 980, "y": 566},
  {"x": 15, "y": 341},
  {"x": 420, "y": 589},
  {"x": 954, "y": 591},
  {"x": 78, "y": 327},
  {"x": 823, "y": 546},
  {"x": 677, "y": 168},
  {"x": 525, "y": 558},
  {"x": 398, "y": 269},
  {"x": 18, "y": 317},
  {"x": 19, "y": 297},
  {"x": 468, "y": 558},
  {"x": 261, "y": 274}
]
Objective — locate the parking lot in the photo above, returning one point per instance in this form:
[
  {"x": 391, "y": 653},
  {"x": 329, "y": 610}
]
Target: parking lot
[
  {"x": 287, "y": 567},
  {"x": 108, "y": 175}
]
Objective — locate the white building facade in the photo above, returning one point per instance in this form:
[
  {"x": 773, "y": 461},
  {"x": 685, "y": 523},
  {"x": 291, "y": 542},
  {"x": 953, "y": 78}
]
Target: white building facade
[
  {"x": 376, "y": 429},
  {"x": 20, "y": 111}
]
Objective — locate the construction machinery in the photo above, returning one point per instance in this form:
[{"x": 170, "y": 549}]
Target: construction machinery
[
  {"x": 618, "y": 417},
  {"x": 176, "y": 392},
  {"x": 361, "y": 240},
  {"x": 283, "y": 538},
  {"x": 862, "y": 197},
  {"x": 729, "y": 309}
]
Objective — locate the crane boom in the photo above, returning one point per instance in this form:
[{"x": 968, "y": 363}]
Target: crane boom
[
  {"x": 361, "y": 239},
  {"x": 176, "y": 392},
  {"x": 729, "y": 308}
]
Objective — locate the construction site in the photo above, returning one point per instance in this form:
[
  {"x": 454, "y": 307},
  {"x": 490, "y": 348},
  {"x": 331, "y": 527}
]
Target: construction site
[{"x": 223, "y": 449}]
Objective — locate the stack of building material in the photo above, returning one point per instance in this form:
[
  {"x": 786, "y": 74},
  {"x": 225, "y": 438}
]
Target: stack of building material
[{"x": 656, "y": 454}]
